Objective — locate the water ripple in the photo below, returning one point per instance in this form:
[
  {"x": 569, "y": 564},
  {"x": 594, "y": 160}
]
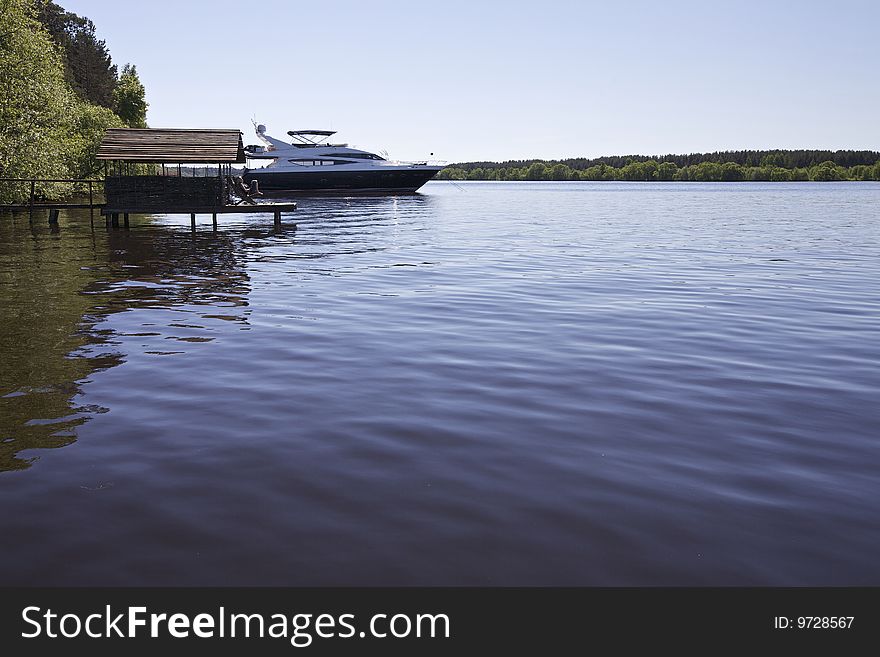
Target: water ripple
[{"x": 600, "y": 384}]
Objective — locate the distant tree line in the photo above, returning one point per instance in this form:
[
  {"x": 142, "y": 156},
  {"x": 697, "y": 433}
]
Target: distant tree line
[
  {"x": 727, "y": 166},
  {"x": 59, "y": 92}
]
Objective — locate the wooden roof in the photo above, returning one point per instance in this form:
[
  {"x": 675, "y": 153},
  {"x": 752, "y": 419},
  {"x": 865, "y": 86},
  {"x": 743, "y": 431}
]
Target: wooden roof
[{"x": 172, "y": 145}]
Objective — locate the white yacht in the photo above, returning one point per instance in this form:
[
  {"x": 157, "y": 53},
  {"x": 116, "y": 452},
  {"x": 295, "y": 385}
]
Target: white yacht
[{"x": 309, "y": 164}]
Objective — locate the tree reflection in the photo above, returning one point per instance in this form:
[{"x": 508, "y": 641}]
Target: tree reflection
[{"x": 58, "y": 288}]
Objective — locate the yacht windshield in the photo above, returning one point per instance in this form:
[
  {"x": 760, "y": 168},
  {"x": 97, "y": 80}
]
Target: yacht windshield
[{"x": 359, "y": 156}]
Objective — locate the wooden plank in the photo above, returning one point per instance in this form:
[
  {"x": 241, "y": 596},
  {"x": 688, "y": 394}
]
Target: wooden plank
[
  {"x": 261, "y": 208},
  {"x": 50, "y": 206}
]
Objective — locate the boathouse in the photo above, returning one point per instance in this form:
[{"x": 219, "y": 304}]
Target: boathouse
[{"x": 144, "y": 173}]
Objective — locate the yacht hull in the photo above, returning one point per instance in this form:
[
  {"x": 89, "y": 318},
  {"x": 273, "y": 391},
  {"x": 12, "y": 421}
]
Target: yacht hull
[{"x": 394, "y": 181}]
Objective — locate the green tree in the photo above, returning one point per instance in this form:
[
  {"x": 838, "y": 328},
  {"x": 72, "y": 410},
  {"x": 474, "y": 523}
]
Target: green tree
[
  {"x": 778, "y": 174},
  {"x": 129, "y": 98},
  {"x": 758, "y": 174},
  {"x": 560, "y": 172},
  {"x": 639, "y": 171},
  {"x": 36, "y": 105},
  {"x": 537, "y": 171},
  {"x": 452, "y": 173},
  {"x": 732, "y": 172},
  {"x": 602, "y": 172},
  {"x": 706, "y": 172},
  {"x": 826, "y": 171},
  {"x": 666, "y": 171},
  {"x": 860, "y": 172},
  {"x": 88, "y": 67},
  {"x": 592, "y": 173},
  {"x": 46, "y": 130},
  {"x": 88, "y": 126},
  {"x": 773, "y": 159}
]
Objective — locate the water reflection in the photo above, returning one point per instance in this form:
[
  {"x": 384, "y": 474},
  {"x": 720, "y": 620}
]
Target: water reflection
[
  {"x": 60, "y": 283},
  {"x": 398, "y": 392},
  {"x": 57, "y": 288}
]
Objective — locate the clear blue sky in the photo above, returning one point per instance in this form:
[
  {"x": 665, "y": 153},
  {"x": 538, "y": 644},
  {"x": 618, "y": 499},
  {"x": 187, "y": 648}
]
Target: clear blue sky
[{"x": 482, "y": 80}]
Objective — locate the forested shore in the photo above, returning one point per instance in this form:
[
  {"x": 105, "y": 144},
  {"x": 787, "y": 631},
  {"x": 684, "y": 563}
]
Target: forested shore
[
  {"x": 59, "y": 92},
  {"x": 724, "y": 166}
]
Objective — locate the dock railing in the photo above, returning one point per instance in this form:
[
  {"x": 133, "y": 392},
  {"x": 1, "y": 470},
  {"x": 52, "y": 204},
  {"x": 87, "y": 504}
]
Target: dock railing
[
  {"x": 53, "y": 206},
  {"x": 217, "y": 203}
]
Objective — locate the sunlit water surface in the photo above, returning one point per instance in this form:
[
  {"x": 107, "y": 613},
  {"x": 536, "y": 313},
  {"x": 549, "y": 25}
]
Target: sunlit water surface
[{"x": 483, "y": 384}]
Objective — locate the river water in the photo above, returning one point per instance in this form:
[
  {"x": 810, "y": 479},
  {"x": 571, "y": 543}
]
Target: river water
[{"x": 482, "y": 384}]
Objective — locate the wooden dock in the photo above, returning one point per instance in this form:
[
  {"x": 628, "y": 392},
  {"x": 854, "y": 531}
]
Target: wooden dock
[
  {"x": 33, "y": 204},
  {"x": 112, "y": 217},
  {"x": 20, "y": 207},
  {"x": 133, "y": 183},
  {"x": 257, "y": 208}
]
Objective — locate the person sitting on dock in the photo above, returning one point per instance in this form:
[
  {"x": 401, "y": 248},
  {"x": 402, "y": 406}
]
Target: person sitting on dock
[{"x": 244, "y": 191}]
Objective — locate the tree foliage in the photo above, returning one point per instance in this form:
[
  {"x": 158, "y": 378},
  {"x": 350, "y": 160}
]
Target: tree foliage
[
  {"x": 728, "y": 166},
  {"x": 35, "y": 102},
  {"x": 129, "y": 98},
  {"x": 766, "y": 168},
  {"x": 88, "y": 67},
  {"x": 47, "y": 130}
]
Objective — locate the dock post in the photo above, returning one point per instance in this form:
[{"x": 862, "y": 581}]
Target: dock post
[
  {"x": 192, "y": 221},
  {"x": 214, "y": 220},
  {"x": 31, "y": 214},
  {"x": 277, "y": 218},
  {"x": 53, "y": 215},
  {"x": 125, "y": 219},
  {"x": 114, "y": 219},
  {"x": 91, "y": 206}
]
